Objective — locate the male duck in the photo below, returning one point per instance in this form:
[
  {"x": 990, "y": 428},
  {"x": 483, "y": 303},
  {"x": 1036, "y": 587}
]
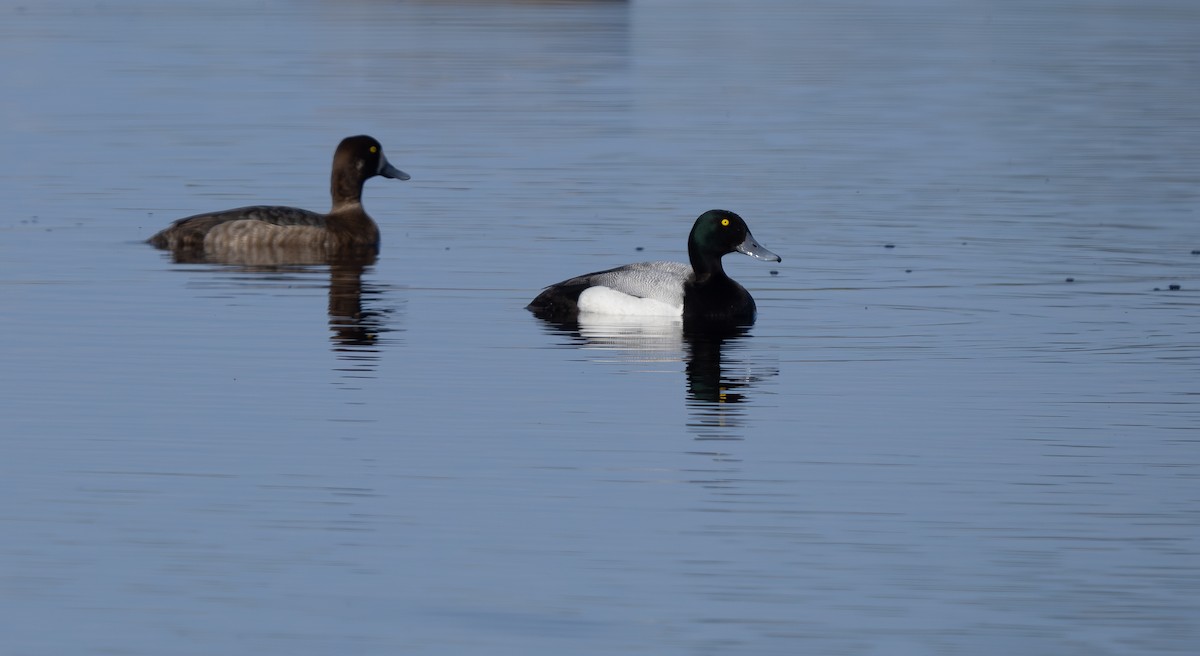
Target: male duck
[
  {"x": 700, "y": 293},
  {"x": 346, "y": 226}
]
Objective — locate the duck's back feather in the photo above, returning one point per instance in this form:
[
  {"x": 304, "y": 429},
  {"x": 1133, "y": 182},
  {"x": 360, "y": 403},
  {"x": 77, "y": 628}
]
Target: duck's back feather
[
  {"x": 659, "y": 281},
  {"x": 193, "y": 231}
]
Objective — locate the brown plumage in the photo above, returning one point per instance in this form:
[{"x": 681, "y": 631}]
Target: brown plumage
[{"x": 246, "y": 232}]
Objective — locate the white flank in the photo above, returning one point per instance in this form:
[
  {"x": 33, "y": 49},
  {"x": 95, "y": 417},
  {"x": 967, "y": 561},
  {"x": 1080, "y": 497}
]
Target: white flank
[{"x": 602, "y": 300}]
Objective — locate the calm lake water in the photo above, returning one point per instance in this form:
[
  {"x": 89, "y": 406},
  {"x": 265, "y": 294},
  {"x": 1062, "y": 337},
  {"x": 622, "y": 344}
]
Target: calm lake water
[{"x": 966, "y": 422}]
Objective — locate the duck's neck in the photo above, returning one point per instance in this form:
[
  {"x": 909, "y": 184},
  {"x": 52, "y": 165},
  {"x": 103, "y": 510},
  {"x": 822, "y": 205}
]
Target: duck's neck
[
  {"x": 346, "y": 189},
  {"x": 704, "y": 265},
  {"x": 349, "y": 226}
]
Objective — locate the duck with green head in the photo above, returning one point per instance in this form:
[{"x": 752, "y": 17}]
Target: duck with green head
[{"x": 700, "y": 292}]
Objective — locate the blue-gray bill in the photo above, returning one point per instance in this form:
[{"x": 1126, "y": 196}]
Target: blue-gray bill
[
  {"x": 389, "y": 171},
  {"x": 756, "y": 250}
]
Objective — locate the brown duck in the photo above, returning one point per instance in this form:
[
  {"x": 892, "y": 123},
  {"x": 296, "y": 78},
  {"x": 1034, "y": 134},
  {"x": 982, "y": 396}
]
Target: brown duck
[{"x": 249, "y": 232}]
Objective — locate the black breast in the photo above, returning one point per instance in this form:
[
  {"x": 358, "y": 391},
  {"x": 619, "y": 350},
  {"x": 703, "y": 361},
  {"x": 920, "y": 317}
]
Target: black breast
[{"x": 719, "y": 301}]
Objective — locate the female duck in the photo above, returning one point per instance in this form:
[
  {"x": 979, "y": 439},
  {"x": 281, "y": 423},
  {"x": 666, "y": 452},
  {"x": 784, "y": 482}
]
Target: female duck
[
  {"x": 700, "y": 293},
  {"x": 346, "y": 226}
]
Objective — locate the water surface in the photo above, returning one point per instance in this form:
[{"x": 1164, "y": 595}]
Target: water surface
[{"x": 965, "y": 422}]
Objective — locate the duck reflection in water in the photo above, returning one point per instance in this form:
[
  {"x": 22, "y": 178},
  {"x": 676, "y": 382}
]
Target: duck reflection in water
[
  {"x": 355, "y": 318},
  {"x": 716, "y": 383},
  {"x": 278, "y": 239}
]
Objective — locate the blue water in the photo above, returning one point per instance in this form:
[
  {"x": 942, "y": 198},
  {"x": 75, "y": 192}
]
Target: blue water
[{"x": 966, "y": 422}]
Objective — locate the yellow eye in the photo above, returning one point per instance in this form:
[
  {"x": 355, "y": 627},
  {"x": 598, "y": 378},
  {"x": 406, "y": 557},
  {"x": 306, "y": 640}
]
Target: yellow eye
[
  {"x": 724, "y": 222},
  {"x": 374, "y": 149}
]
